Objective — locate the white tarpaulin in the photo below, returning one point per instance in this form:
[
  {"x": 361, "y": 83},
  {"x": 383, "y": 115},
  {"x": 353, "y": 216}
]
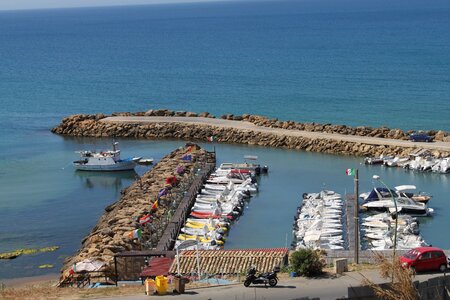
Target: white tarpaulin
[{"x": 88, "y": 265}]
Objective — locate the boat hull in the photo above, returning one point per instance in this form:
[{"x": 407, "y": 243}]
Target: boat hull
[{"x": 119, "y": 166}]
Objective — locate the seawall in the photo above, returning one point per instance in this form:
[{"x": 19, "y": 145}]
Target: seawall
[{"x": 253, "y": 130}]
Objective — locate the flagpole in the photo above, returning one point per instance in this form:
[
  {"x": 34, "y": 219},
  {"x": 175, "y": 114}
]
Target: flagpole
[{"x": 356, "y": 217}]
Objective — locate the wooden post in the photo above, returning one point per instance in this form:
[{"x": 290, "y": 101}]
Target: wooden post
[
  {"x": 115, "y": 269},
  {"x": 356, "y": 217}
]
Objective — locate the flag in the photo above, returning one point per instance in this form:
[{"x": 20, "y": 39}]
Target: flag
[
  {"x": 211, "y": 138},
  {"x": 350, "y": 172},
  {"x": 135, "y": 234},
  {"x": 172, "y": 180},
  {"x": 145, "y": 219},
  {"x": 187, "y": 157},
  {"x": 162, "y": 192},
  {"x": 155, "y": 205},
  {"x": 180, "y": 170}
]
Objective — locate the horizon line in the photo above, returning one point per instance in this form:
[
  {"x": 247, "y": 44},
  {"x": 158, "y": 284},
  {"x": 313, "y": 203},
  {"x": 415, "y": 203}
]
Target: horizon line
[{"x": 162, "y": 3}]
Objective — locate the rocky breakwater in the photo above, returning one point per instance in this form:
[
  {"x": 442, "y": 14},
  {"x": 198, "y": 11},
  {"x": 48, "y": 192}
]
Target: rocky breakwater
[
  {"x": 92, "y": 125},
  {"x": 380, "y": 132},
  {"x": 136, "y": 221}
]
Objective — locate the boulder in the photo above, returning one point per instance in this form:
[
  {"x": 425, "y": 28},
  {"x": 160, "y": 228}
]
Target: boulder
[
  {"x": 191, "y": 114},
  {"x": 159, "y": 112},
  {"x": 180, "y": 113},
  {"x": 149, "y": 113},
  {"x": 203, "y": 114},
  {"x": 439, "y": 136}
]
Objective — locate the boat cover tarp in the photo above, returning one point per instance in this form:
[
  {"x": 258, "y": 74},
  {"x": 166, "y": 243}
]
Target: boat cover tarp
[
  {"x": 384, "y": 192},
  {"x": 88, "y": 265}
]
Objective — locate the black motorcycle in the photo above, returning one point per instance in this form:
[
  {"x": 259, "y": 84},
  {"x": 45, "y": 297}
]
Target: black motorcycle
[{"x": 263, "y": 278}]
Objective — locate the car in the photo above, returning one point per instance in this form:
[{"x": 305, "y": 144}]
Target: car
[
  {"x": 425, "y": 259},
  {"x": 420, "y": 137}
]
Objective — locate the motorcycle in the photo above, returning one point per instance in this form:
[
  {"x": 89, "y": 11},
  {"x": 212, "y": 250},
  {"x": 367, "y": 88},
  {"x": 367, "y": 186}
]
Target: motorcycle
[{"x": 263, "y": 278}]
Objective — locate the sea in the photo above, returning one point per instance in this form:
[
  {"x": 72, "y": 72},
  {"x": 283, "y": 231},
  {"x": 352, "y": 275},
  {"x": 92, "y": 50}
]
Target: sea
[{"x": 356, "y": 63}]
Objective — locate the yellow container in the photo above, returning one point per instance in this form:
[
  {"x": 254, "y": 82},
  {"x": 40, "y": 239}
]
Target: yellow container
[
  {"x": 149, "y": 286},
  {"x": 161, "y": 285}
]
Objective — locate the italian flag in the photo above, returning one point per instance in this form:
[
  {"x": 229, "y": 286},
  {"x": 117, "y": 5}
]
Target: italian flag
[
  {"x": 212, "y": 138},
  {"x": 350, "y": 172}
]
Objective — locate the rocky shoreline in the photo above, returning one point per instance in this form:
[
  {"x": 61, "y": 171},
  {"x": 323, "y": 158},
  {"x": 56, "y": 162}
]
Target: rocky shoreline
[
  {"x": 92, "y": 126},
  {"x": 114, "y": 231}
]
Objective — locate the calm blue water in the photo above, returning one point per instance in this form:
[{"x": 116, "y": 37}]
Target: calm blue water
[{"x": 355, "y": 64}]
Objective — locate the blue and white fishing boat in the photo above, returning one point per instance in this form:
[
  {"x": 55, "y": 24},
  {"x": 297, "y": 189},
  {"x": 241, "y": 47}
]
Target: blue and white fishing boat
[{"x": 104, "y": 161}]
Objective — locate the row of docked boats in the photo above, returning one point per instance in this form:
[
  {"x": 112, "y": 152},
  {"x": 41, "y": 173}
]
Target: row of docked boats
[
  {"x": 220, "y": 202},
  {"x": 318, "y": 223},
  {"x": 378, "y": 224},
  {"x": 422, "y": 163},
  {"x": 378, "y": 232}
]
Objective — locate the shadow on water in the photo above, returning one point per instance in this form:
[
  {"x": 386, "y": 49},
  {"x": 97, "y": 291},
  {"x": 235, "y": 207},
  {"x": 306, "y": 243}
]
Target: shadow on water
[{"x": 114, "y": 180}]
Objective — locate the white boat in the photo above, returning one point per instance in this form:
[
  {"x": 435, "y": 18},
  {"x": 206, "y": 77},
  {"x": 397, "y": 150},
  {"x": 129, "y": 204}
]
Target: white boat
[
  {"x": 404, "y": 206},
  {"x": 381, "y": 193},
  {"x": 145, "y": 161},
  {"x": 231, "y": 177},
  {"x": 373, "y": 160},
  {"x": 396, "y": 161},
  {"x": 427, "y": 164},
  {"x": 108, "y": 160},
  {"x": 253, "y": 167},
  {"x": 404, "y": 242},
  {"x": 442, "y": 166}
]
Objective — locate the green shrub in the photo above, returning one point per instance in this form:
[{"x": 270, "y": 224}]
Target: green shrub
[{"x": 306, "y": 262}]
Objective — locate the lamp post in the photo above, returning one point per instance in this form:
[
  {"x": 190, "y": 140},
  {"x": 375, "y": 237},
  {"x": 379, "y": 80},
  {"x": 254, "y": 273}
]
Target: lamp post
[{"x": 376, "y": 177}]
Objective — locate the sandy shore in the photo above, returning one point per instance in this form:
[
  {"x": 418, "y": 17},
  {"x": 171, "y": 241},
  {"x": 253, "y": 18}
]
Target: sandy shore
[
  {"x": 26, "y": 281},
  {"x": 243, "y": 125}
]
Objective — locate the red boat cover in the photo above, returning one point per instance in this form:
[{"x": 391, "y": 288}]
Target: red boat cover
[{"x": 242, "y": 171}]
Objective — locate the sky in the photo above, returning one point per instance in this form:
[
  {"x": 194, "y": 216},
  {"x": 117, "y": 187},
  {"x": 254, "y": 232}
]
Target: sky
[{"x": 38, "y": 4}]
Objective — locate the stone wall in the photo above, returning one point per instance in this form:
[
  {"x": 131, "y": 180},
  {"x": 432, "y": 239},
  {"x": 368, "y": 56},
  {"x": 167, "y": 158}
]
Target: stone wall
[
  {"x": 431, "y": 289},
  {"x": 111, "y": 234},
  {"x": 90, "y": 125}
]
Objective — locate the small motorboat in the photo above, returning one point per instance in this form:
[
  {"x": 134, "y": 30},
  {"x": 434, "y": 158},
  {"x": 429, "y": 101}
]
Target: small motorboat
[
  {"x": 207, "y": 215},
  {"x": 404, "y": 206},
  {"x": 145, "y": 161},
  {"x": 253, "y": 167},
  {"x": 104, "y": 161},
  {"x": 381, "y": 193},
  {"x": 373, "y": 160}
]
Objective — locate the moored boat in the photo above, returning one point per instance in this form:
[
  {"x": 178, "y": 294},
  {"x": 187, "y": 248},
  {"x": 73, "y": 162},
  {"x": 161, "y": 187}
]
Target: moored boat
[{"x": 108, "y": 160}]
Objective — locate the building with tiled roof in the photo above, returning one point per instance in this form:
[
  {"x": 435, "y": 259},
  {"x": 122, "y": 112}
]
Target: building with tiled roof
[{"x": 230, "y": 261}]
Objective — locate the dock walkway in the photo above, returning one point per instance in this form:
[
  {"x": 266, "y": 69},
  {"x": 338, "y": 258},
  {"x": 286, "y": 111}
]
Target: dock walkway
[{"x": 167, "y": 240}]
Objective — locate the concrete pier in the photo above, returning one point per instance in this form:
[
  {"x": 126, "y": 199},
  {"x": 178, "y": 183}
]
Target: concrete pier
[{"x": 350, "y": 219}]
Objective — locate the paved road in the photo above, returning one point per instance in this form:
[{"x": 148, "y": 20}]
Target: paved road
[
  {"x": 290, "y": 288},
  {"x": 442, "y": 146}
]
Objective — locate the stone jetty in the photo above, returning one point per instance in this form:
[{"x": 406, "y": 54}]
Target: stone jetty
[
  {"x": 115, "y": 231},
  {"x": 253, "y": 130}
]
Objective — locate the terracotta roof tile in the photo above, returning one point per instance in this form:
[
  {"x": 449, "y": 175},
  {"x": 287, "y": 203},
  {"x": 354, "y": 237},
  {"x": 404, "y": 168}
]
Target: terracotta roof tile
[{"x": 230, "y": 261}]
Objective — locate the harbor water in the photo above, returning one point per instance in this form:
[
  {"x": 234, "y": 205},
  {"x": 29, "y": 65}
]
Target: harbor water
[{"x": 291, "y": 60}]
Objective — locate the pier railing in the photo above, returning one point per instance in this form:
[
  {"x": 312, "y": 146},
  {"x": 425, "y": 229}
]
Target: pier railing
[{"x": 167, "y": 240}]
